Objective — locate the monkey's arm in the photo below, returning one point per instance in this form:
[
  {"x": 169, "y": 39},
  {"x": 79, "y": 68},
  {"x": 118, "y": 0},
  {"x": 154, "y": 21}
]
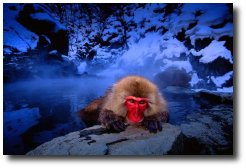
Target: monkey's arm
[
  {"x": 153, "y": 123},
  {"x": 90, "y": 113},
  {"x": 111, "y": 121}
]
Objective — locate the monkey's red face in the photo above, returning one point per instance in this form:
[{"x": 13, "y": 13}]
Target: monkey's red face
[{"x": 135, "y": 108}]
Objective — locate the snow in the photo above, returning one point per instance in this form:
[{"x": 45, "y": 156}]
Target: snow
[
  {"x": 178, "y": 22},
  {"x": 141, "y": 14},
  {"x": 182, "y": 65},
  {"x": 174, "y": 48},
  {"x": 152, "y": 46},
  {"x": 194, "y": 79},
  {"x": 212, "y": 14},
  {"x": 81, "y": 68},
  {"x": 138, "y": 52},
  {"x": 15, "y": 123},
  {"x": 53, "y": 52},
  {"x": 220, "y": 80},
  {"x": 47, "y": 39},
  {"x": 154, "y": 50},
  {"x": 214, "y": 50},
  {"x": 20, "y": 120},
  {"x": 147, "y": 51},
  {"x": 225, "y": 89},
  {"x": 199, "y": 32},
  {"x": 15, "y": 35},
  {"x": 204, "y": 31}
]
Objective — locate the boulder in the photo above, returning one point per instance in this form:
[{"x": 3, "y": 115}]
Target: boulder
[
  {"x": 173, "y": 77},
  {"x": 207, "y": 99},
  {"x": 97, "y": 141},
  {"x": 209, "y": 131}
]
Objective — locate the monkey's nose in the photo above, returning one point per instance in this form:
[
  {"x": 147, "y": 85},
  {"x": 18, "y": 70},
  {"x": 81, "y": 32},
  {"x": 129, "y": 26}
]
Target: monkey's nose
[{"x": 136, "y": 112}]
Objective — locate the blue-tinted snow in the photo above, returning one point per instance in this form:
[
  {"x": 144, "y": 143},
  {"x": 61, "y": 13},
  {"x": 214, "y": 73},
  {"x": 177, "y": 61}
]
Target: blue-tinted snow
[
  {"x": 213, "y": 51},
  {"x": 16, "y": 35},
  {"x": 220, "y": 80}
]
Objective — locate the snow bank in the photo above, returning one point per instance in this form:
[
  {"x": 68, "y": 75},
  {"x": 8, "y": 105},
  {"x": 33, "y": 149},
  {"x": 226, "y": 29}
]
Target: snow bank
[
  {"x": 182, "y": 65},
  {"x": 194, "y": 79},
  {"x": 145, "y": 48},
  {"x": 225, "y": 89},
  {"x": 204, "y": 31},
  {"x": 213, "y": 51},
  {"x": 220, "y": 80},
  {"x": 210, "y": 14},
  {"x": 15, "y": 35},
  {"x": 19, "y": 121}
]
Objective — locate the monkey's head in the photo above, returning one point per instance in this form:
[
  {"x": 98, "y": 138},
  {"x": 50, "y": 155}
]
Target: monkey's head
[
  {"x": 135, "y": 108},
  {"x": 135, "y": 99}
]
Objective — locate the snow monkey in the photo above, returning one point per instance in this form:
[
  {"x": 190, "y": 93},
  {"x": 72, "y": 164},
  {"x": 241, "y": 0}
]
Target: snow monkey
[{"x": 131, "y": 100}]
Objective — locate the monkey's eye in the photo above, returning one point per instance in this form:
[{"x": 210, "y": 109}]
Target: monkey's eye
[
  {"x": 142, "y": 102},
  {"x": 131, "y": 101}
]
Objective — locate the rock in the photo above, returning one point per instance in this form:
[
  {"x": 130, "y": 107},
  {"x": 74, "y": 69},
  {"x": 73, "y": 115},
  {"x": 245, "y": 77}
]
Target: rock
[
  {"x": 173, "y": 77},
  {"x": 17, "y": 39},
  {"x": 43, "y": 42},
  {"x": 208, "y": 99},
  {"x": 15, "y": 124},
  {"x": 38, "y": 18},
  {"x": 209, "y": 131},
  {"x": 202, "y": 43},
  {"x": 218, "y": 67},
  {"x": 97, "y": 141}
]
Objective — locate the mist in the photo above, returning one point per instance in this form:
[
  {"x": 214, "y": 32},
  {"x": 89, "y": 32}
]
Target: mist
[{"x": 36, "y": 111}]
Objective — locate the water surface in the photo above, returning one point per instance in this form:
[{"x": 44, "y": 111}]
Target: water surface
[{"x": 40, "y": 110}]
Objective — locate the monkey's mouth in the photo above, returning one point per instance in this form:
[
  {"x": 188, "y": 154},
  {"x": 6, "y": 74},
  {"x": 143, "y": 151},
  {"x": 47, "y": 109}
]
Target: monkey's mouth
[
  {"x": 134, "y": 118},
  {"x": 135, "y": 108}
]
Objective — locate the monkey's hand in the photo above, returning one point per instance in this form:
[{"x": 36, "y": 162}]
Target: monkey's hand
[
  {"x": 152, "y": 123},
  {"x": 111, "y": 121}
]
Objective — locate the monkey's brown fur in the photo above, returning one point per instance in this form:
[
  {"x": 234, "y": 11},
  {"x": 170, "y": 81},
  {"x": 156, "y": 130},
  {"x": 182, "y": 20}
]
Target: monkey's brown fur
[{"x": 110, "y": 110}]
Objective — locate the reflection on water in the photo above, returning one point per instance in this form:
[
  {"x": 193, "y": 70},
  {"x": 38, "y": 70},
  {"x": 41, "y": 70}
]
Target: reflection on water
[
  {"x": 180, "y": 104},
  {"x": 37, "y": 111},
  {"x": 55, "y": 103}
]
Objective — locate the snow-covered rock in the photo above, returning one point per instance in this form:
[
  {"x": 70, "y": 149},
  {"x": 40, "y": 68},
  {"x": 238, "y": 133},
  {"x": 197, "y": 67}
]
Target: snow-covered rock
[
  {"x": 25, "y": 23},
  {"x": 35, "y": 16},
  {"x": 15, "y": 124},
  {"x": 213, "y": 51},
  {"x": 173, "y": 77},
  {"x": 16, "y": 37},
  {"x": 122, "y": 39}
]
